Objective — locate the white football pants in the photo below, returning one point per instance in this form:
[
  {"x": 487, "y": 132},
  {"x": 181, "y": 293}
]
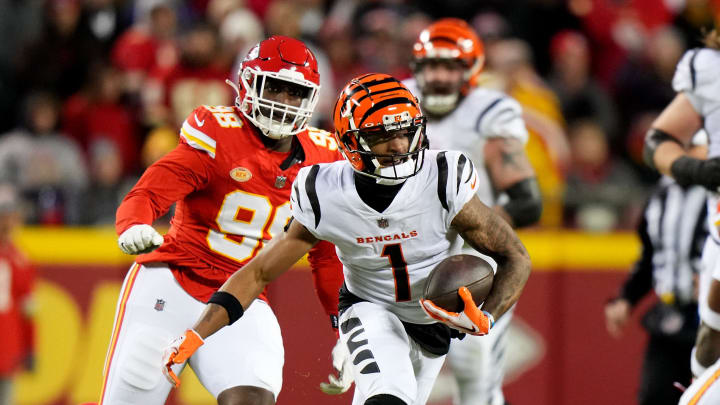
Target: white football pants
[
  {"x": 385, "y": 359},
  {"x": 153, "y": 310}
]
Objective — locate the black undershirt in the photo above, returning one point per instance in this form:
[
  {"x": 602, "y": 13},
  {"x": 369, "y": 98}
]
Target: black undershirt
[{"x": 377, "y": 196}]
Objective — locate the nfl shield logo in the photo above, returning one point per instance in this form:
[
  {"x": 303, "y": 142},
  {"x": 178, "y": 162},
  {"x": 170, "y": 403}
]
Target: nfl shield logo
[
  {"x": 280, "y": 181},
  {"x": 383, "y": 223},
  {"x": 159, "y": 304}
]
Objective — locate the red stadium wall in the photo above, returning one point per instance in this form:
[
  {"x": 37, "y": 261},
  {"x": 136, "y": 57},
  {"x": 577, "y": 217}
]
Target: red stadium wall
[{"x": 564, "y": 354}]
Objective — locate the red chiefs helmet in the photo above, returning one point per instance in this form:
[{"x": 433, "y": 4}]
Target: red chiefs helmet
[
  {"x": 371, "y": 109},
  {"x": 448, "y": 39},
  {"x": 284, "y": 59}
]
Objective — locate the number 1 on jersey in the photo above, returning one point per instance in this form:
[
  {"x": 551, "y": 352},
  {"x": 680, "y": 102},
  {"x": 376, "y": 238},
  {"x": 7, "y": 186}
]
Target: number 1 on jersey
[{"x": 394, "y": 254}]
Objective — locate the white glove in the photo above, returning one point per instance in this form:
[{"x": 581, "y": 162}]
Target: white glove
[
  {"x": 139, "y": 239},
  {"x": 343, "y": 365}
]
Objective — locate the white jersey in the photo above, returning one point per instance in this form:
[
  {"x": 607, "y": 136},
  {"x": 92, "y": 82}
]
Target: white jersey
[
  {"x": 387, "y": 256},
  {"x": 482, "y": 114},
  {"x": 698, "y": 76}
]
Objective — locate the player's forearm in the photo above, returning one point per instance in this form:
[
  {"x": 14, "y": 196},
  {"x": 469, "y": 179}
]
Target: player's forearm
[
  {"x": 486, "y": 232},
  {"x": 248, "y": 282},
  {"x": 245, "y": 285},
  {"x": 508, "y": 285},
  {"x": 513, "y": 269},
  {"x": 135, "y": 209},
  {"x": 706, "y": 345},
  {"x": 665, "y": 155}
]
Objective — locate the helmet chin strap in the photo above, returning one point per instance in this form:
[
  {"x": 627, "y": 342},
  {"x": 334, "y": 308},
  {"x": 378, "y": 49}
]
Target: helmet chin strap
[{"x": 437, "y": 104}]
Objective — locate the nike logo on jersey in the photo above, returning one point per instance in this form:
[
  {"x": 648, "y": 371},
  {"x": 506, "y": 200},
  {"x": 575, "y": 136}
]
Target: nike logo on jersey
[
  {"x": 386, "y": 238},
  {"x": 198, "y": 122}
]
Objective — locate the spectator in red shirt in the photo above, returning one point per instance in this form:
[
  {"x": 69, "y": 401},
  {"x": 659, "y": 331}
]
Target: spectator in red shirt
[
  {"x": 148, "y": 47},
  {"x": 199, "y": 79},
  {"x": 16, "y": 285},
  {"x": 99, "y": 114}
]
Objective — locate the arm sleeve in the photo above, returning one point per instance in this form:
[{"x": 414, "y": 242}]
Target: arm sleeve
[
  {"x": 168, "y": 180},
  {"x": 639, "y": 282},
  {"x": 327, "y": 276}
]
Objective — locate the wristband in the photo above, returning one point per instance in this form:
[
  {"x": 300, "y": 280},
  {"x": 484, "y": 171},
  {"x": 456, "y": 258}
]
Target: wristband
[{"x": 231, "y": 304}]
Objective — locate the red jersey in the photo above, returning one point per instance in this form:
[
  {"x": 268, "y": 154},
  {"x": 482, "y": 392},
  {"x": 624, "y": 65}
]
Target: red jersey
[
  {"x": 232, "y": 197},
  {"x": 17, "y": 277}
]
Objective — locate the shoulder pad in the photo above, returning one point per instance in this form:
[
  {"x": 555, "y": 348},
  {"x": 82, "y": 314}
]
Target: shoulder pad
[
  {"x": 197, "y": 130},
  {"x": 497, "y": 115},
  {"x": 322, "y": 142},
  {"x": 698, "y": 72},
  {"x": 457, "y": 179}
]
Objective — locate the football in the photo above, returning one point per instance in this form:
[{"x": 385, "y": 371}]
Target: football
[{"x": 453, "y": 272}]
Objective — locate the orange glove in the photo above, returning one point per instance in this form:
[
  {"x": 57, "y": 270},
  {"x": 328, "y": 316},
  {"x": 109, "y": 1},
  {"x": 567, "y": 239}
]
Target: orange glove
[
  {"x": 472, "y": 320},
  {"x": 178, "y": 352}
]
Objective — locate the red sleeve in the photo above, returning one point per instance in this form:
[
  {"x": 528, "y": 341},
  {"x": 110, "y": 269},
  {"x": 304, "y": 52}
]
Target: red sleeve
[
  {"x": 168, "y": 180},
  {"x": 327, "y": 276}
]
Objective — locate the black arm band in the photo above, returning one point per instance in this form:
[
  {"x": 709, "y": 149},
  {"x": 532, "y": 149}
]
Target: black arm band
[
  {"x": 230, "y": 303},
  {"x": 653, "y": 139},
  {"x": 525, "y": 205},
  {"x": 685, "y": 170}
]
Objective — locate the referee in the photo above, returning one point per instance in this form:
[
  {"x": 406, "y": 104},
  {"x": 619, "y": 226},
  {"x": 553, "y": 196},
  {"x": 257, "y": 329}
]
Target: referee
[{"x": 673, "y": 231}]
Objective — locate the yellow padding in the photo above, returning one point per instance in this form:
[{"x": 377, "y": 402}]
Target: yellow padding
[{"x": 549, "y": 250}]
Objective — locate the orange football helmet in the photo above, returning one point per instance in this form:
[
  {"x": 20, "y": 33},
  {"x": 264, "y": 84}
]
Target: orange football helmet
[
  {"x": 371, "y": 109},
  {"x": 449, "y": 39}
]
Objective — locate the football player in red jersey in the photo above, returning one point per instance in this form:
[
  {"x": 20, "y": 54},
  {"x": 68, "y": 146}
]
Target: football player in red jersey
[
  {"x": 230, "y": 177},
  {"x": 17, "y": 278}
]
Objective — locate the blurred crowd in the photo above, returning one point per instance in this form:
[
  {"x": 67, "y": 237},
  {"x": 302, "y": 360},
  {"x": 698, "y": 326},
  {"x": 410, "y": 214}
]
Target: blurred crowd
[{"x": 94, "y": 91}]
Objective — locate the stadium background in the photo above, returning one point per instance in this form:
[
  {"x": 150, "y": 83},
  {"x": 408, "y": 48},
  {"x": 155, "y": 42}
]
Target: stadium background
[
  {"x": 565, "y": 355},
  {"x": 95, "y": 89}
]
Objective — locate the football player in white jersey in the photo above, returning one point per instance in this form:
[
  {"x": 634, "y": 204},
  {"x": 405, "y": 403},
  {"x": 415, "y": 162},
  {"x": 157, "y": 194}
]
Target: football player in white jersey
[
  {"x": 394, "y": 210},
  {"x": 697, "y": 105},
  {"x": 487, "y": 126}
]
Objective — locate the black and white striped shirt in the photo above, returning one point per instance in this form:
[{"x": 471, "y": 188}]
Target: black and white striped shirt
[{"x": 673, "y": 230}]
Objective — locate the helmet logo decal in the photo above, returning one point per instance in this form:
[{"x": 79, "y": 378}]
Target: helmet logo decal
[{"x": 254, "y": 53}]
